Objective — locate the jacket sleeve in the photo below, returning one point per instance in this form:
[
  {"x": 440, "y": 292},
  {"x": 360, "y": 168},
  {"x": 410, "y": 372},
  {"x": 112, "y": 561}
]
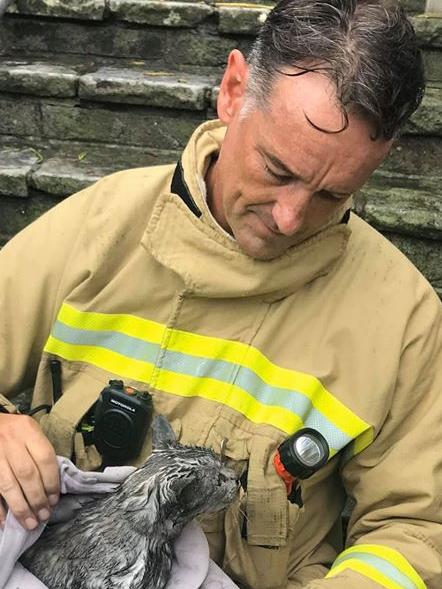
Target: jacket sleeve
[
  {"x": 395, "y": 531},
  {"x": 32, "y": 266}
]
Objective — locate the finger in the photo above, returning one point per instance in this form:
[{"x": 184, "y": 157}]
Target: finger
[
  {"x": 2, "y": 513},
  {"x": 45, "y": 459},
  {"x": 13, "y": 495},
  {"x": 28, "y": 482},
  {"x": 29, "y": 479}
]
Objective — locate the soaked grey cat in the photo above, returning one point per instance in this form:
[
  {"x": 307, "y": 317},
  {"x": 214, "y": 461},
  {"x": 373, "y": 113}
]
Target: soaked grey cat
[{"x": 125, "y": 539}]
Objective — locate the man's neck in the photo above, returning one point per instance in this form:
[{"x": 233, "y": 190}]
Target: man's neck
[{"x": 214, "y": 203}]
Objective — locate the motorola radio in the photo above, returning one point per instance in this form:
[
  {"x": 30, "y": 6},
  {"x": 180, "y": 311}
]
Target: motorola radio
[{"x": 118, "y": 422}]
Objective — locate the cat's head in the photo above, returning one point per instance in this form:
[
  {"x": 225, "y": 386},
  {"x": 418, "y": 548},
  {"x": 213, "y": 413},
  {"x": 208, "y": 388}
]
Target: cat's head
[{"x": 182, "y": 481}]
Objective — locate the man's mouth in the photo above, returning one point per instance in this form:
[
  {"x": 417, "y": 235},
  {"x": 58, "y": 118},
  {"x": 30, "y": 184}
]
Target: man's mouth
[{"x": 268, "y": 223}]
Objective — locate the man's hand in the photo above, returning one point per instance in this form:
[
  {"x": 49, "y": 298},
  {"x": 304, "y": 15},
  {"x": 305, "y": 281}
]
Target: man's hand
[{"x": 29, "y": 475}]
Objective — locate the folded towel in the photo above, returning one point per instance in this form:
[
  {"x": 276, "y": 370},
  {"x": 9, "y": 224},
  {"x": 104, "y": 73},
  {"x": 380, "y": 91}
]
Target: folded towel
[{"x": 191, "y": 569}]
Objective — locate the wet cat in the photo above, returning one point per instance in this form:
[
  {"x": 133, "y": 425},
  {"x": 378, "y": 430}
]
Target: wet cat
[{"x": 125, "y": 539}]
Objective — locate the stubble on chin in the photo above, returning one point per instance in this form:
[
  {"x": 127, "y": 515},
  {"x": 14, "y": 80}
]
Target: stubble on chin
[{"x": 257, "y": 248}]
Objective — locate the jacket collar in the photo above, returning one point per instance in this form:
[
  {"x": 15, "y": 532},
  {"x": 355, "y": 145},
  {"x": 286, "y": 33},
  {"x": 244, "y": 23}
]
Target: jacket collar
[
  {"x": 183, "y": 236},
  {"x": 179, "y": 187}
]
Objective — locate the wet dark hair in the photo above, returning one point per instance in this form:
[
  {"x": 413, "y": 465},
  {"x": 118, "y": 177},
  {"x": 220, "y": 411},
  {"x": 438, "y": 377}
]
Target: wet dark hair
[{"x": 368, "y": 49}]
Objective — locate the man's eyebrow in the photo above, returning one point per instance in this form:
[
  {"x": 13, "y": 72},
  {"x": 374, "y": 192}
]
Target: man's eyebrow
[
  {"x": 279, "y": 164},
  {"x": 282, "y": 166}
]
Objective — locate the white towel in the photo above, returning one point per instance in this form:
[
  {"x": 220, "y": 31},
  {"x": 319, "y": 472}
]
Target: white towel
[{"x": 192, "y": 568}]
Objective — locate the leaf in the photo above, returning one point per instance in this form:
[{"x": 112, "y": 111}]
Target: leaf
[{"x": 40, "y": 156}]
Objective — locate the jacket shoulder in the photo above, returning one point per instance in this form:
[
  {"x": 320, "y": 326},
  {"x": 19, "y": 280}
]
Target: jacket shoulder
[
  {"x": 121, "y": 203},
  {"x": 137, "y": 186},
  {"x": 373, "y": 259}
]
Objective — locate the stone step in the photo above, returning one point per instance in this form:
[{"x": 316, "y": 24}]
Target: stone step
[
  {"x": 414, "y": 163},
  {"x": 38, "y": 78},
  {"x": 428, "y": 29},
  {"x": 162, "y": 47},
  {"x": 128, "y": 83},
  {"x": 16, "y": 168},
  {"x": 74, "y": 120},
  {"x": 33, "y": 177},
  {"x": 403, "y": 195},
  {"x": 427, "y": 120},
  {"x": 61, "y": 168},
  {"x": 163, "y": 13},
  {"x": 161, "y": 32},
  {"x": 161, "y": 128},
  {"x": 77, "y": 9},
  {"x": 87, "y": 90},
  {"x": 163, "y": 89},
  {"x": 170, "y": 13},
  {"x": 402, "y": 210}
]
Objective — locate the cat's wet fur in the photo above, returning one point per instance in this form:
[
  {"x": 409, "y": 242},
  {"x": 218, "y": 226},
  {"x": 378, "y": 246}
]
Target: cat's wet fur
[{"x": 125, "y": 539}]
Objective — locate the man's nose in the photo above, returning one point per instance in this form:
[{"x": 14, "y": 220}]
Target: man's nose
[{"x": 290, "y": 210}]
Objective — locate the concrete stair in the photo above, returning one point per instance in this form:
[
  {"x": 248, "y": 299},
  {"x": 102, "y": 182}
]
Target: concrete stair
[{"x": 88, "y": 87}]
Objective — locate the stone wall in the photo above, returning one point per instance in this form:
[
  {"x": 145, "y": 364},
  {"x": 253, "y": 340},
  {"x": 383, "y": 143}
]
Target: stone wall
[{"x": 88, "y": 87}]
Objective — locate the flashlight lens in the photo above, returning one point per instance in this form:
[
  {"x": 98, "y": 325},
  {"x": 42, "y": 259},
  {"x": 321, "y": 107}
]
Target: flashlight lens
[
  {"x": 308, "y": 450},
  {"x": 303, "y": 453}
]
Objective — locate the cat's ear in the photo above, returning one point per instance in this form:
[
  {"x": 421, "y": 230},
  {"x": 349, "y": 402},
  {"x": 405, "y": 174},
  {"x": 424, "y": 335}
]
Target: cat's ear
[{"x": 162, "y": 432}]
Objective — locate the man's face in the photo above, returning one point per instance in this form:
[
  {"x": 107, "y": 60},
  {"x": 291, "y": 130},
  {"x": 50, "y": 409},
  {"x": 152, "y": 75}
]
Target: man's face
[{"x": 278, "y": 179}]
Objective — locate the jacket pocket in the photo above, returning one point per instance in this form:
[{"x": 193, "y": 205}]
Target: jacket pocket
[
  {"x": 257, "y": 526},
  {"x": 260, "y": 567}
]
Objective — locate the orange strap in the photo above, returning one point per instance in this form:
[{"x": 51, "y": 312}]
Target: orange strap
[{"x": 288, "y": 479}]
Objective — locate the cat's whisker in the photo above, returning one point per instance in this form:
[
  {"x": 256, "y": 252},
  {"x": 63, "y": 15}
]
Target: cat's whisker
[{"x": 243, "y": 513}]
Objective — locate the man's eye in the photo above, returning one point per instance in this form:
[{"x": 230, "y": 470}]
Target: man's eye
[
  {"x": 282, "y": 178},
  {"x": 333, "y": 197}
]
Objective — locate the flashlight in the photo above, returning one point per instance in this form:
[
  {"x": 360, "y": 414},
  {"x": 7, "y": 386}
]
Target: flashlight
[{"x": 298, "y": 458}]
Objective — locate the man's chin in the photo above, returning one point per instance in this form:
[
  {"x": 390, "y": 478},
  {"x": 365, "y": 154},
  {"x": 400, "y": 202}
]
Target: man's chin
[
  {"x": 265, "y": 256},
  {"x": 265, "y": 250},
  {"x": 259, "y": 249}
]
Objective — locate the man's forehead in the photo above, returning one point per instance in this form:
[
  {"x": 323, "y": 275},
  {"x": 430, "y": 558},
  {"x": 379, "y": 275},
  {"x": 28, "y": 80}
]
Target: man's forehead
[
  {"x": 306, "y": 107},
  {"x": 307, "y": 96},
  {"x": 346, "y": 159}
]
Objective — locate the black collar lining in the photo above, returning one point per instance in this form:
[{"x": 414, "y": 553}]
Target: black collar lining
[
  {"x": 346, "y": 218},
  {"x": 180, "y": 188}
]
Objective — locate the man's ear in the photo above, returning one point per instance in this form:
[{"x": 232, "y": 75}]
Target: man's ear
[{"x": 233, "y": 86}]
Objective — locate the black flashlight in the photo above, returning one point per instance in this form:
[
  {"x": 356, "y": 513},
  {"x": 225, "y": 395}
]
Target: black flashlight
[{"x": 298, "y": 458}]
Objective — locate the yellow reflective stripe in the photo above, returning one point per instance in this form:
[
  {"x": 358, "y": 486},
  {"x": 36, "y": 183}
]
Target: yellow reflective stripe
[
  {"x": 357, "y": 445},
  {"x": 131, "y": 325},
  {"x": 102, "y": 358},
  {"x": 276, "y": 376},
  {"x": 207, "y": 346},
  {"x": 367, "y": 571},
  {"x": 384, "y": 560},
  {"x": 178, "y": 384},
  {"x": 362, "y": 441},
  {"x": 393, "y": 556},
  {"x": 231, "y": 395},
  {"x": 130, "y": 346}
]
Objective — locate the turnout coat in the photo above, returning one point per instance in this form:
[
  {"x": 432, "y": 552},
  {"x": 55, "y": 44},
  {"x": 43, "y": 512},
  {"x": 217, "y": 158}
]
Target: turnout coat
[{"x": 132, "y": 278}]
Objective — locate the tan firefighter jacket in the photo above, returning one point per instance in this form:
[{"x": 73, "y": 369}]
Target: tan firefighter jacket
[{"x": 132, "y": 278}]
